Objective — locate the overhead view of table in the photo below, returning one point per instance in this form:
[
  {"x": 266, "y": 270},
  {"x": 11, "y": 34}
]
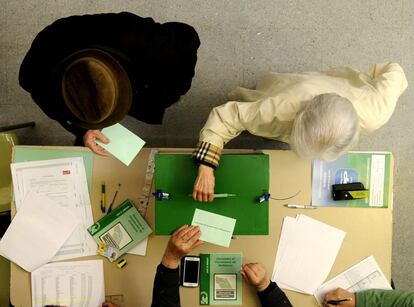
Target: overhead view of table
[{"x": 368, "y": 231}]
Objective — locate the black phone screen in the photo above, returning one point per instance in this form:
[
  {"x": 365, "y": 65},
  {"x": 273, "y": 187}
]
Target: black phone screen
[{"x": 191, "y": 271}]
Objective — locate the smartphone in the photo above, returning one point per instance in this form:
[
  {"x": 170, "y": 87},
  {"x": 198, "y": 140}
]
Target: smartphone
[{"x": 190, "y": 271}]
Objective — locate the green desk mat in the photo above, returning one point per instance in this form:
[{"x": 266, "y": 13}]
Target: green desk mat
[
  {"x": 244, "y": 175},
  {"x": 24, "y": 154}
]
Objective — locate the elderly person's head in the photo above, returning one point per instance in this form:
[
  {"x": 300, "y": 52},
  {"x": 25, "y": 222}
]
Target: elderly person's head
[{"x": 325, "y": 129}]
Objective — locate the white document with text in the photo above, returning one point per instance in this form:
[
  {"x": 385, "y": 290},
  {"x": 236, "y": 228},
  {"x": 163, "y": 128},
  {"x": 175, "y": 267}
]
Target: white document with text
[
  {"x": 76, "y": 284},
  {"x": 64, "y": 182}
]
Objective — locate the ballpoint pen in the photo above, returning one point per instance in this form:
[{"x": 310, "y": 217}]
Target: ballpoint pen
[
  {"x": 300, "y": 206},
  {"x": 103, "y": 200},
  {"x": 339, "y": 301},
  {"x": 113, "y": 199},
  {"x": 221, "y": 195}
]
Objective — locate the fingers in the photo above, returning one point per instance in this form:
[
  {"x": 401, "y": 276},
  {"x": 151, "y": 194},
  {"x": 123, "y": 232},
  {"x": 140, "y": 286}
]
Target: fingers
[
  {"x": 204, "y": 185},
  {"x": 89, "y": 140},
  {"x": 194, "y": 235},
  {"x": 249, "y": 269},
  {"x": 197, "y": 243},
  {"x": 100, "y": 136},
  {"x": 179, "y": 231},
  {"x": 97, "y": 149},
  {"x": 185, "y": 233}
]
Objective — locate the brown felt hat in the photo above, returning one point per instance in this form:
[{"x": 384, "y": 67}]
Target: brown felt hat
[{"x": 96, "y": 89}]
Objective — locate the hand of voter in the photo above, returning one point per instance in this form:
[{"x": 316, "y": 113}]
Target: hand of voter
[
  {"x": 182, "y": 241},
  {"x": 109, "y": 304},
  {"x": 89, "y": 139},
  {"x": 337, "y": 295},
  {"x": 255, "y": 274},
  {"x": 204, "y": 185}
]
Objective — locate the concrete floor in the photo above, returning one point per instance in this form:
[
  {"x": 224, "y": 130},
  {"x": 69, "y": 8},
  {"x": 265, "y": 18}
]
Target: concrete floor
[{"x": 240, "y": 41}]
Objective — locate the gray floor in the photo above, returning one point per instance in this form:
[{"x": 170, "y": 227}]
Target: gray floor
[{"x": 240, "y": 41}]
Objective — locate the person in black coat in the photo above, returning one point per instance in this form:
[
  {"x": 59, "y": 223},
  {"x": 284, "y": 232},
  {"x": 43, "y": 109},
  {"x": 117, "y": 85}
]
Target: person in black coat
[
  {"x": 166, "y": 283},
  {"x": 150, "y": 64}
]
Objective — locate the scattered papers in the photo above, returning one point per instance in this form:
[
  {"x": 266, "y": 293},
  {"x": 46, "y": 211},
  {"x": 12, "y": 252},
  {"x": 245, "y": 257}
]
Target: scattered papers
[
  {"x": 37, "y": 232},
  {"x": 306, "y": 252},
  {"x": 64, "y": 182},
  {"x": 124, "y": 144},
  {"x": 140, "y": 249},
  {"x": 215, "y": 228},
  {"x": 78, "y": 283},
  {"x": 362, "y": 276}
]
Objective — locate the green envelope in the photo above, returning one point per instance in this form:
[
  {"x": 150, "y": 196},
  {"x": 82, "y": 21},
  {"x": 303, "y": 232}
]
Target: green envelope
[{"x": 124, "y": 144}]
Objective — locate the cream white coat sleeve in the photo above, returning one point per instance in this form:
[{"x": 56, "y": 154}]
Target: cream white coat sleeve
[
  {"x": 270, "y": 118},
  {"x": 375, "y": 108},
  {"x": 224, "y": 123}
]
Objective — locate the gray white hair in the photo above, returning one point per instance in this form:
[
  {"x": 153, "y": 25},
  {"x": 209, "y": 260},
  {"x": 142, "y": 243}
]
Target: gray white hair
[{"x": 325, "y": 128}]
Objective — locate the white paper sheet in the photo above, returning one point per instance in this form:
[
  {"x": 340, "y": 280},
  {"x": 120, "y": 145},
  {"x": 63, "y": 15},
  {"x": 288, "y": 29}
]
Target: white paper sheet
[
  {"x": 308, "y": 252},
  {"x": 75, "y": 284},
  {"x": 37, "y": 232},
  {"x": 287, "y": 231},
  {"x": 64, "y": 182},
  {"x": 362, "y": 276},
  {"x": 140, "y": 249}
]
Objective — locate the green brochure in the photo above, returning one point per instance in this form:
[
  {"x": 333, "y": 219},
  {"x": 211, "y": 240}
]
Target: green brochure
[
  {"x": 122, "y": 229},
  {"x": 124, "y": 144},
  {"x": 220, "y": 279},
  {"x": 372, "y": 169}
]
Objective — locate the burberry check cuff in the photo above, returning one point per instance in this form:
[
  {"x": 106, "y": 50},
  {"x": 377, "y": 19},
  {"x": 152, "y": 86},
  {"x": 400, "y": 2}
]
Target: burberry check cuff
[{"x": 207, "y": 154}]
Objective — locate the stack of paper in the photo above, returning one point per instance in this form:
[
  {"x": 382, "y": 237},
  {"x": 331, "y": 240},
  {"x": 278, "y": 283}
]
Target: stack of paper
[
  {"x": 362, "y": 276},
  {"x": 64, "y": 182},
  {"x": 79, "y": 283},
  {"x": 37, "y": 232},
  {"x": 306, "y": 252}
]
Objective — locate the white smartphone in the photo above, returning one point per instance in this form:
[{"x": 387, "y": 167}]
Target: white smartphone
[{"x": 190, "y": 271}]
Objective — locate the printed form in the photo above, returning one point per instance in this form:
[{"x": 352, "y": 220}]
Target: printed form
[
  {"x": 76, "y": 284},
  {"x": 64, "y": 182},
  {"x": 362, "y": 276}
]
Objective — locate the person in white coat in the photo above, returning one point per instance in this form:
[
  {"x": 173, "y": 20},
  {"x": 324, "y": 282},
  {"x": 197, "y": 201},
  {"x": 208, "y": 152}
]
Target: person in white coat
[{"x": 320, "y": 114}]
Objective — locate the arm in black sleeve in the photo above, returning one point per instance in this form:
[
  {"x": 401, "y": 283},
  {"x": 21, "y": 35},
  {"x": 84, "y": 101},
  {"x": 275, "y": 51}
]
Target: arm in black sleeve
[
  {"x": 273, "y": 296},
  {"x": 166, "y": 288}
]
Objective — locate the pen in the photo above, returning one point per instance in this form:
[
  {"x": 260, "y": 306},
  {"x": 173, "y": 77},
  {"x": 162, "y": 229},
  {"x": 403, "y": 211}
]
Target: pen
[
  {"x": 113, "y": 199},
  {"x": 103, "y": 201},
  {"x": 337, "y": 302},
  {"x": 300, "y": 206},
  {"x": 222, "y": 195}
]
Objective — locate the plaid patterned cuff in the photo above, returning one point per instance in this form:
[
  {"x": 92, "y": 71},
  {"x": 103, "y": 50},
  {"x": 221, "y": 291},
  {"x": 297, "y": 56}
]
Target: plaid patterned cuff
[{"x": 207, "y": 154}]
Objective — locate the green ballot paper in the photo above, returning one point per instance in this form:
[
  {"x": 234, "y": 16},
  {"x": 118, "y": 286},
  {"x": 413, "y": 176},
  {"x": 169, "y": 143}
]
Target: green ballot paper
[
  {"x": 220, "y": 279},
  {"x": 122, "y": 229}
]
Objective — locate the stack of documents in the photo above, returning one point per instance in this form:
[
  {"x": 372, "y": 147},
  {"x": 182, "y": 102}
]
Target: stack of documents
[
  {"x": 362, "y": 276},
  {"x": 79, "y": 283},
  {"x": 306, "y": 252},
  {"x": 63, "y": 181},
  {"x": 37, "y": 232}
]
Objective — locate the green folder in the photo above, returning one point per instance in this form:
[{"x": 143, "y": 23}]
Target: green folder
[
  {"x": 247, "y": 176},
  {"x": 25, "y": 154}
]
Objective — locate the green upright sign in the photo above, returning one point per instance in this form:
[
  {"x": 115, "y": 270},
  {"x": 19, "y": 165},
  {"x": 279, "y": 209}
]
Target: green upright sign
[{"x": 247, "y": 176}]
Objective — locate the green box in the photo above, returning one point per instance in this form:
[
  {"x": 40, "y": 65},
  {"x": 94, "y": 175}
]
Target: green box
[{"x": 246, "y": 175}]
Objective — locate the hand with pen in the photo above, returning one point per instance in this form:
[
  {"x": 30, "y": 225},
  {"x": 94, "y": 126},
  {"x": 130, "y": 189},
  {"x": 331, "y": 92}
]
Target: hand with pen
[{"x": 339, "y": 297}]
